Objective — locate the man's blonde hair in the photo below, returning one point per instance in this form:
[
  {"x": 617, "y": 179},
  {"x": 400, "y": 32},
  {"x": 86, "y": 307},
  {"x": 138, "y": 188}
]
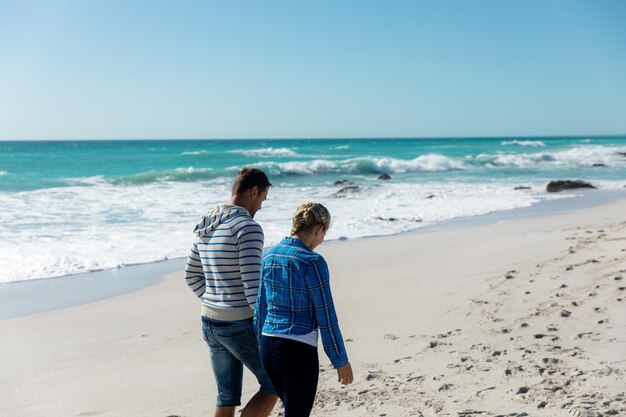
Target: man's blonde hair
[{"x": 309, "y": 215}]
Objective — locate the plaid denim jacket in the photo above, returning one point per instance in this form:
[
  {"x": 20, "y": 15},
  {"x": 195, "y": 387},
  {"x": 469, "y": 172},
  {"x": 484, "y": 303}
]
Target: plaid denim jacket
[{"x": 294, "y": 297}]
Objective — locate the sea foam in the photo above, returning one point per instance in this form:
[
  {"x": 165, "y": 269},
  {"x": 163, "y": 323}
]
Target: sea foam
[
  {"x": 266, "y": 152},
  {"x": 531, "y": 143},
  {"x": 68, "y": 230}
]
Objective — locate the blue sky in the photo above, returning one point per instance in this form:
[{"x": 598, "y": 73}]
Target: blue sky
[{"x": 290, "y": 69}]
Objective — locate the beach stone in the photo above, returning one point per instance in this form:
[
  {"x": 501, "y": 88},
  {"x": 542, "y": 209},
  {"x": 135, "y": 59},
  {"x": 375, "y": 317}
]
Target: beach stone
[
  {"x": 522, "y": 187},
  {"x": 556, "y": 186},
  {"x": 565, "y": 313},
  {"x": 522, "y": 390},
  {"x": 384, "y": 177},
  {"x": 348, "y": 189},
  {"x": 342, "y": 182}
]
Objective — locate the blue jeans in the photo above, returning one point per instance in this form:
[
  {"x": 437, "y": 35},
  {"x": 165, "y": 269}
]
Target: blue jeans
[{"x": 233, "y": 344}]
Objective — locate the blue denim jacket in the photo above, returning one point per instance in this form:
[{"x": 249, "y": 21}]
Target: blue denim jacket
[{"x": 294, "y": 297}]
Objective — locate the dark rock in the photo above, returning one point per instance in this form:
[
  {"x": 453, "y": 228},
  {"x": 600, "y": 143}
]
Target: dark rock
[
  {"x": 522, "y": 390},
  {"x": 622, "y": 154},
  {"x": 565, "y": 313},
  {"x": 348, "y": 189},
  {"x": 539, "y": 336},
  {"x": 556, "y": 186},
  {"x": 522, "y": 187},
  {"x": 384, "y": 177},
  {"x": 433, "y": 195},
  {"x": 433, "y": 344},
  {"x": 598, "y": 165},
  {"x": 342, "y": 182},
  {"x": 542, "y": 404}
]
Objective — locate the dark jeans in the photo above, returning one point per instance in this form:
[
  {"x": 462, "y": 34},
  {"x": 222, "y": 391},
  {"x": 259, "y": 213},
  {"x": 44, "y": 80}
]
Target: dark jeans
[{"x": 293, "y": 368}]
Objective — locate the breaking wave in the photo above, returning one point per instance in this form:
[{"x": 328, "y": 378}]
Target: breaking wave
[
  {"x": 526, "y": 143},
  {"x": 266, "y": 152}
]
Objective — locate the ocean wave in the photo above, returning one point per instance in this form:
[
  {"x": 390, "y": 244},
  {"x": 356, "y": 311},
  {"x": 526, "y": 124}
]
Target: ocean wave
[
  {"x": 196, "y": 153},
  {"x": 342, "y": 147},
  {"x": 266, "y": 152},
  {"x": 423, "y": 163},
  {"x": 364, "y": 165},
  {"x": 188, "y": 174},
  {"x": 579, "y": 157},
  {"x": 87, "y": 181},
  {"x": 123, "y": 219},
  {"x": 526, "y": 143},
  {"x": 3, "y": 173}
]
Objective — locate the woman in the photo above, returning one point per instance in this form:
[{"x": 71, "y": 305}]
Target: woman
[{"x": 294, "y": 305}]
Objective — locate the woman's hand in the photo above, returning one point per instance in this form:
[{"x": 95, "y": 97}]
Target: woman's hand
[{"x": 344, "y": 374}]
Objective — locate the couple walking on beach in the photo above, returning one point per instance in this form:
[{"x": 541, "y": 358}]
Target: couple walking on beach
[{"x": 266, "y": 310}]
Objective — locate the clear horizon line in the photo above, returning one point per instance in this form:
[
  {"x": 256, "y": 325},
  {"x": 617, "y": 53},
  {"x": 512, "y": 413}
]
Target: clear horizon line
[{"x": 325, "y": 138}]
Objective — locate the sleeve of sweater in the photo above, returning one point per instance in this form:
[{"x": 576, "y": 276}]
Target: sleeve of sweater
[
  {"x": 318, "y": 285},
  {"x": 250, "y": 239},
  {"x": 194, "y": 275}
]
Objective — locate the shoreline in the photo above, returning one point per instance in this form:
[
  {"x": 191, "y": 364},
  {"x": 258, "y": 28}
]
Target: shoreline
[
  {"x": 17, "y": 298},
  {"x": 435, "y": 324}
]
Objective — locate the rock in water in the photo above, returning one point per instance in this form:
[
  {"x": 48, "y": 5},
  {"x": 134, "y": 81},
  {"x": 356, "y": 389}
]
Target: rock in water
[
  {"x": 349, "y": 189},
  {"x": 384, "y": 177},
  {"x": 556, "y": 186}
]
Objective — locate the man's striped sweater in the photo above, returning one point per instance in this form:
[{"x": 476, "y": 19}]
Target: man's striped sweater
[{"x": 225, "y": 261}]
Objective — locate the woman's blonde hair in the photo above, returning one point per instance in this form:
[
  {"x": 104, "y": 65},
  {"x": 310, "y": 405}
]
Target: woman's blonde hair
[{"x": 309, "y": 215}]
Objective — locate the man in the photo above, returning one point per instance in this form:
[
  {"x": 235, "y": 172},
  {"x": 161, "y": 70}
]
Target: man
[{"x": 223, "y": 270}]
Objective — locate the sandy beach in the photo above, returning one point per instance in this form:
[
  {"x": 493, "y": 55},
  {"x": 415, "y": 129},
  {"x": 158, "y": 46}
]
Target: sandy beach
[{"x": 522, "y": 317}]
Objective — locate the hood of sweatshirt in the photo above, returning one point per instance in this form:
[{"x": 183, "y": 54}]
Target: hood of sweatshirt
[{"x": 213, "y": 219}]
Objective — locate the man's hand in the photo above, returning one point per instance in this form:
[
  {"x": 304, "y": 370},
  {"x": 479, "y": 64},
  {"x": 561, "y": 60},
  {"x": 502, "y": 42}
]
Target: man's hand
[{"x": 344, "y": 374}]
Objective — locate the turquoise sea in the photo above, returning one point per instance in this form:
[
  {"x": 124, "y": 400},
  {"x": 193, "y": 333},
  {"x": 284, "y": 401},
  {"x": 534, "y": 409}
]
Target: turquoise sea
[{"x": 74, "y": 206}]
